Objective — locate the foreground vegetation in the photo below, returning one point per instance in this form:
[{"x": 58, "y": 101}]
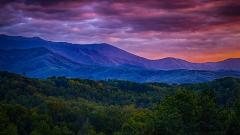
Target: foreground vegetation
[{"x": 60, "y": 106}]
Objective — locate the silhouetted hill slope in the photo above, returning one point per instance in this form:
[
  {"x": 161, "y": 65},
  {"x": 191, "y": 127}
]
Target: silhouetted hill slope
[
  {"x": 38, "y": 58},
  {"x": 41, "y": 63},
  {"x": 110, "y": 56}
]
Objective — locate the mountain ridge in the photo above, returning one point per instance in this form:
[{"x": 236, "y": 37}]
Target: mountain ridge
[
  {"x": 42, "y": 63},
  {"x": 35, "y": 57},
  {"x": 101, "y": 45}
]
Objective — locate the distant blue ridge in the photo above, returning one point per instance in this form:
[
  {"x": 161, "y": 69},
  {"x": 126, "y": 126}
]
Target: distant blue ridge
[{"x": 35, "y": 57}]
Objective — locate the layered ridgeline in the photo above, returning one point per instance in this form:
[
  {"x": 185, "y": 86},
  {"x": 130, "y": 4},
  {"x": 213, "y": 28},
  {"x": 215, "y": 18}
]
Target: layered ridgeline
[
  {"x": 60, "y": 106},
  {"x": 36, "y": 57}
]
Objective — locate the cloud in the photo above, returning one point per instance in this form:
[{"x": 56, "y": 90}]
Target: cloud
[
  {"x": 228, "y": 9},
  {"x": 151, "y": 28}
]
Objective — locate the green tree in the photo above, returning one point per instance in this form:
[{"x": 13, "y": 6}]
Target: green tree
[
  {"x": 234, "y": 125},
  {"x": 208, "y": 115},
  {"x": 141, "y": 123},
  {"x": 42, "y": 128}
]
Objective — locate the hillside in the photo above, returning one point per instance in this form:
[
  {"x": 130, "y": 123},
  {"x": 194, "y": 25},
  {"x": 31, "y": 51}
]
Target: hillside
[
  {"x": 72, "y": 106},
  {"x": 106, "y": 55},
  {"x": 38, "y": 58},
  {"x": 42, "y": 63}
]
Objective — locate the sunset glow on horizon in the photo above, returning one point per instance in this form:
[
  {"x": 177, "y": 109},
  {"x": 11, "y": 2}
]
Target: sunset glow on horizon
[{"x": 193, "y": 30}]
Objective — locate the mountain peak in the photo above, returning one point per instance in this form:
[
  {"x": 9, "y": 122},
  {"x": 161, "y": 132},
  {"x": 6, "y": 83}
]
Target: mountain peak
[
  {"x": 104, "y": 54},
  {"x": 19, "y": 37},
  {"x": 232, "y": 59},
  {"x": 171, "y": 59},
  {"x": 101, "y": 46}
]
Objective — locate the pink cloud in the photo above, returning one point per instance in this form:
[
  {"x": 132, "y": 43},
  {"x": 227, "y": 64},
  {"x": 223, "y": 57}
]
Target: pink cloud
[{"x": 193, "y": 30}]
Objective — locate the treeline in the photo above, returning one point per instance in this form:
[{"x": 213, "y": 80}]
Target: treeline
[{"x": 61, "y": 106}]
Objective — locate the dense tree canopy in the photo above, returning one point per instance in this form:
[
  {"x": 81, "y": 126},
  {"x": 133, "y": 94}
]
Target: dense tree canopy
[{"x": 61, "y": 106}]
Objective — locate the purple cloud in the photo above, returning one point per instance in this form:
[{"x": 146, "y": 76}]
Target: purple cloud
[{"x": 189, "y": 29}]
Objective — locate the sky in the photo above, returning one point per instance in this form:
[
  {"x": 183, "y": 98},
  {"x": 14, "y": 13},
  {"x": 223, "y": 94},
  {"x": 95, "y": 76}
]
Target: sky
[{"x": 194, "y": 30}]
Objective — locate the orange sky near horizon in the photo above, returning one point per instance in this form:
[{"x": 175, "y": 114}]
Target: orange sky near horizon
[{"x": 207, "y": 57}]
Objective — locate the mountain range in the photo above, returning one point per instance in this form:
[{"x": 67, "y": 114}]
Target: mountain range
[{"x": 39, "y": 58}]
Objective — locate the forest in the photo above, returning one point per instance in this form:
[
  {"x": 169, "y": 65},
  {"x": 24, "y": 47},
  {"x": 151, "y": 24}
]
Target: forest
[{"x": 68, "y": 106}]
